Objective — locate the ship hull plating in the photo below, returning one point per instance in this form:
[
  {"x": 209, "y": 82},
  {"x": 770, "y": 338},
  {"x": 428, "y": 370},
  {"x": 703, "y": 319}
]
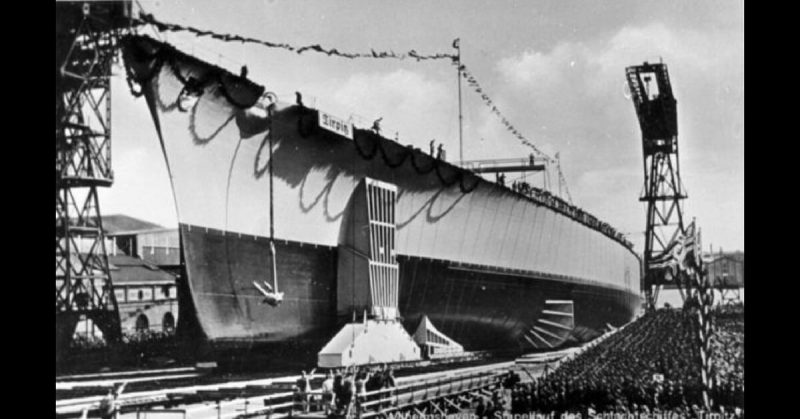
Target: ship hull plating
[
  {"x": 481, "y": 307},
  {"x": 484, "y": 263}
]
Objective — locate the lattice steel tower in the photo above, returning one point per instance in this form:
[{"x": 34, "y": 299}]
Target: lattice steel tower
[
  {"x": 663, "y": 190},
  {"x": 86, "y": 35}
]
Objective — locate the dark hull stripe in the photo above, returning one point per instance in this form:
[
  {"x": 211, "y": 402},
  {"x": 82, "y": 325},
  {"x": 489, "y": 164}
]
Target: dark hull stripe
[{"x": 480, "y": 308}]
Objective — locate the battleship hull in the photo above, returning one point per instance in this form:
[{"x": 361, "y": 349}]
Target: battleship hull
[{"x": 491, "y": 268}]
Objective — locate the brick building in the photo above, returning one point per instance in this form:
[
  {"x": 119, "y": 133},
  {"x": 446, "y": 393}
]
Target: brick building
[
  {"x": 144, "y": 264},
  {"x": 146, "y": 295}
]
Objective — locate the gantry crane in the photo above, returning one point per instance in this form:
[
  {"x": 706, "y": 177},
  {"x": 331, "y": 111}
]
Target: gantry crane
[
  {"x": 656, "y": 109},
  {"x": 86, "y": 35}
]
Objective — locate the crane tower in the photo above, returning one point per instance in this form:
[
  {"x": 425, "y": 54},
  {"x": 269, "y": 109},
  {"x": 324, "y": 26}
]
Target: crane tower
[
  {"x": 656, "y": 109},
  {"x": 86, "y": 35}
]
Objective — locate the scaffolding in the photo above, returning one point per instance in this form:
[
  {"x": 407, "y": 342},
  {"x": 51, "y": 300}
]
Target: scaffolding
[{"x": 86, "y": 35}]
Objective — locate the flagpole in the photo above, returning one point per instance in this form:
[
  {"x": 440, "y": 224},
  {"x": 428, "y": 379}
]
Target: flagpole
[{"x": 457, "y": 46}]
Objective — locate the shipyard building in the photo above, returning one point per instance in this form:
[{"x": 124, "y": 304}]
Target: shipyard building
[{"x": 143, "y": 262}]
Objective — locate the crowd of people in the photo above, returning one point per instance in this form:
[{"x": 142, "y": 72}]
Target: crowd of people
[
  {"x": 342, "y": 389},
  {"x": 139, "y": 337},
  {"x": 728, "y": 345},
  {"x": 555, "y": 202},
  {"x": 651, "y": 366},
  {"x": 139, "y": 349}
]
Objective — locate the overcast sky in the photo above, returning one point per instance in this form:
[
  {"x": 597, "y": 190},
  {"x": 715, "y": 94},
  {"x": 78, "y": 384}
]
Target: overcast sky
[{"x": 555, "y": 69}]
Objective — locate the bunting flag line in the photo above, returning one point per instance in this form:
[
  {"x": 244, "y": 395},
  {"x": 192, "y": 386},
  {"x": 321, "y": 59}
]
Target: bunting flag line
[
  {"x": 147, "y": 18},
  {"x": 473, "y": 82},
  {"x": 173, "y": 27}
]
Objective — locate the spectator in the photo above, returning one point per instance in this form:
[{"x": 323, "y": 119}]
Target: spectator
[
  {"x": 338, "y": 390},
  {"x": 302, "y": 390},
  {"x": 328, "y": 392},
  {"x": 108, "y": 405},
  {"x": 481, "y": 409},
  {"x": 375, "y": 381},
  {"x": 361, "y": 383},
  {"x": 501, "y": 179},
  {"x": 345, "y": 398},
  {"x": 618, "y": 373},
  {"x": 389, "y": 380}
]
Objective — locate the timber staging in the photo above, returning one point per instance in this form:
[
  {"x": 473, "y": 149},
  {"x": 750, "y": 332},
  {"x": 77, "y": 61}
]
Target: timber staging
[{"x": 419, "y": 389}]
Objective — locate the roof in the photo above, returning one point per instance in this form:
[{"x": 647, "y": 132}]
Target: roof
[
  {"x": 116, "y": 223},
  {"x": 346, "y": 337},
  {"x": 139, "y": 232},
  {"x": 732, "y": 256},
  {"x": 127, "y": 269}
]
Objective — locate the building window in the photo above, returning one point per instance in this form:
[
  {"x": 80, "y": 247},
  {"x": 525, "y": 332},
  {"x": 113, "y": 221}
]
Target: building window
[
  {"x": 165, "y": 291},
  {"x": 142, "y": 323},
  {"x": 141, "y": 295},
  {"x": 168, "y": 323}
]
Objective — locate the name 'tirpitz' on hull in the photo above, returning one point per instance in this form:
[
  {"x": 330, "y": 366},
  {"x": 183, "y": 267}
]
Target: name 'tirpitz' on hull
[{"x": 336, "y": 125}]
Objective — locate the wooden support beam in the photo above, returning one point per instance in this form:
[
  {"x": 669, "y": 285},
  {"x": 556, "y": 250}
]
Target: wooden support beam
[
  {"x": 437, "y": 408},
  {"x": 453, "y": 405}
]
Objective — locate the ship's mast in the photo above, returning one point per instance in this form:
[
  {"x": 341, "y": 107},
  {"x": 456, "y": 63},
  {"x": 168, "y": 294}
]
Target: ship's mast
[{"x": 457, "y": 46}]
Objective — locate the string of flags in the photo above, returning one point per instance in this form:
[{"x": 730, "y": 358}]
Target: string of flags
[
  {"x": 473, "y": 82},
  {"x": 147, "y": 18},
  {"x": 173, "y": 27}
]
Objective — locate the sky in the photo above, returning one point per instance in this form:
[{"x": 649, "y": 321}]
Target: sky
[{"x": 554, "y": 68}]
